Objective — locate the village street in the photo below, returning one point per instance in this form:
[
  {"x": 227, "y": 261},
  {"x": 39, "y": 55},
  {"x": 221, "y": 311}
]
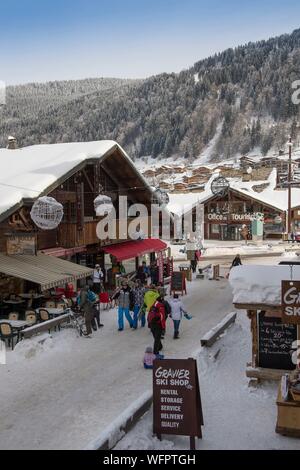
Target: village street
[{"x": 63, "y": 394}]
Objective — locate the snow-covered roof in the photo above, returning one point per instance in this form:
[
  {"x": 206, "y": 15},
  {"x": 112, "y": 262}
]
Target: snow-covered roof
[
  {"x": 260, "y": 284},
  {"x": 30, "y": 171},
  {"x": 182, "y": 203}
]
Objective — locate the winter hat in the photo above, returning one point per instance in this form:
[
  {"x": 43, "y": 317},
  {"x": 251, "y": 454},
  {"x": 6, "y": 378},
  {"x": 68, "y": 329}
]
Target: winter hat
[{"x": 149, "y": 350}]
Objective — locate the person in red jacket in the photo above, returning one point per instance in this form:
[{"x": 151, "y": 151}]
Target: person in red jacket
[{"x": 157, "y": 324}]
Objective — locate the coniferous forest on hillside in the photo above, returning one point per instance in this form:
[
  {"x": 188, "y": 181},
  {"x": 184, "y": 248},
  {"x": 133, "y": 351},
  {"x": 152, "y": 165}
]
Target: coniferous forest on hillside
[{"x": 241, "y": 98}]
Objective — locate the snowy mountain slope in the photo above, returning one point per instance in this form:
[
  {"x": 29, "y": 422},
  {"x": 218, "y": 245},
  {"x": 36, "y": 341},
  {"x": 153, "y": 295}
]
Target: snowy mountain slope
[{"x": 238, "y": 100}]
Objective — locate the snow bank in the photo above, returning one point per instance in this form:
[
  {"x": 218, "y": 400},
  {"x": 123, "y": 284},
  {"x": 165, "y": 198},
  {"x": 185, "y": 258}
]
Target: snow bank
[{"x": 260, "y": 284}]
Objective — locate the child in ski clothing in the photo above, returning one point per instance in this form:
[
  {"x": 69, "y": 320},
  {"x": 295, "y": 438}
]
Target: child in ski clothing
[
  {"x": 125, "y": 299},
  {"x": 138, "y": 300},
  {"x": 157, "y": 324},
  {"x": 149, "y": 357},
  {"x": 177, "y": 310}
]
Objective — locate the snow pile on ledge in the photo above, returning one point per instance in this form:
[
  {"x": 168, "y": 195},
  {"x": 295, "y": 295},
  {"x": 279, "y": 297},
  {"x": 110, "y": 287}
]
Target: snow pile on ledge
[{"x": 260, "y": 284}]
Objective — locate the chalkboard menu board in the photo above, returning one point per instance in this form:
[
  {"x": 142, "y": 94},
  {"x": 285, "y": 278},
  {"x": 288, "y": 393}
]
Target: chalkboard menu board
[
  {"x": 275, "y": 343},
  {"x": 178, "y": 282}
]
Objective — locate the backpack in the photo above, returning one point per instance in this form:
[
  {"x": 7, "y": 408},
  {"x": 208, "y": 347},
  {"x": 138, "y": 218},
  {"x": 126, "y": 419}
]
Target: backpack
[
  {"x": 153, "y": 316},
  {"x": 91, "y": 296}
]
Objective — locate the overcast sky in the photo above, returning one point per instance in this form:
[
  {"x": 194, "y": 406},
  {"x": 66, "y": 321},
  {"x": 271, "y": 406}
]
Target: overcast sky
[{"x": 44, "y": 40}]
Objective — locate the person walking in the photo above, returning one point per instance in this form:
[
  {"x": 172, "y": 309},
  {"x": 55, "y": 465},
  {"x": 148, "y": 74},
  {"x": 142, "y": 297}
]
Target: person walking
[
  {"x": 236, "y": 262},
  {"x": 177, "y": 311},
  {"x": 125, "y": 299},
  {"x": 138, "y": 300},
  {"x": 97, "y": 279},
  {"x": 154, "y": 273},
  {"x": 96, "y": 309},
  {"x": 87, "y": 307},
  {"x": 156, "y": 323},
  {"x": 141, "y": 276}
]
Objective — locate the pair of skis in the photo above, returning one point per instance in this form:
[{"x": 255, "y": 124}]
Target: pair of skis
[{"x": 77, "y": 322}]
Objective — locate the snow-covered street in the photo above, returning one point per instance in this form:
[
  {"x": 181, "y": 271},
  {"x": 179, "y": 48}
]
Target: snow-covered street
[{"x": 64, "y": 393}]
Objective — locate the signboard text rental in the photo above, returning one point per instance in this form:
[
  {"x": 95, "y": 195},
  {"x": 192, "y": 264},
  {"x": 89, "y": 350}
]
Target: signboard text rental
[
  {"x": 176, "y": 398},
  {"x": 290, "y": 292}
]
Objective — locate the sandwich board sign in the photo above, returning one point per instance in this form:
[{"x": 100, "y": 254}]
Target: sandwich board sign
[
  {"x": 177, "y": 407},
  {"x": 290, "y": 293}
]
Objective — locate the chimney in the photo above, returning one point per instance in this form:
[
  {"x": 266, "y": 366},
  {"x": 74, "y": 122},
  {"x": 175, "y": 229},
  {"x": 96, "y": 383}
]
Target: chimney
[{"x": 12, "y": 143}]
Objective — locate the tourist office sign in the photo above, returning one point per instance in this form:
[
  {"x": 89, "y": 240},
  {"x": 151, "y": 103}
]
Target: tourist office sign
[
  {"x": 290, "y": 292},
  {"x": 177, "y": 408},
  {"x": 235, "y": 217}
]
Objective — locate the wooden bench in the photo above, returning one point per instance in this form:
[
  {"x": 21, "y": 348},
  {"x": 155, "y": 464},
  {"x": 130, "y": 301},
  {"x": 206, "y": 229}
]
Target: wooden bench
[{"x": 44, "y": 326}]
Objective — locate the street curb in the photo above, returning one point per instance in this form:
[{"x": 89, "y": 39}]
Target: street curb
[{"x": 109, "y": 438}]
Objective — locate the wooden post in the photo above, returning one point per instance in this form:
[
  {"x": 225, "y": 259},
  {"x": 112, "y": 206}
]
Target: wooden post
[
  {"x": 253, "y": 316},
  {"x": 192, "y": 443}
]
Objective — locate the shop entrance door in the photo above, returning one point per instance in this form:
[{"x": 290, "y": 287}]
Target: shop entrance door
[
  {"x": 224, "y": 232},
  {"x": 230, "y": 233}
]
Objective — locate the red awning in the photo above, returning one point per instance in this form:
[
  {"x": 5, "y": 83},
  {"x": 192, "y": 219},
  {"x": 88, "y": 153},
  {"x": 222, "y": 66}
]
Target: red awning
[{"x": 133, "y": 249}]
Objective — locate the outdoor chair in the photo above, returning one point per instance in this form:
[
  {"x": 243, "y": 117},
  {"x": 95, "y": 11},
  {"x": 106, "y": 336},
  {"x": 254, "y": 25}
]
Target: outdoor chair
[
  {"x": 30, "y": 317},
  {"x": 61, "y": 305},
  {"x": 44, "y": 314},
  {"x": 50, "y": 304},
  {"x": 13, "y": 316},
  {"x": 7, "y": 333}
]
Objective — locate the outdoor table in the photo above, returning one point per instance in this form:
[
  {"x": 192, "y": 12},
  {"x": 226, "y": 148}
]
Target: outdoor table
[
  {"x": 18, "y": 325},
  {"x": 35, "y": 298},
  {"x": 55, "y": 312},
  {"x": 13, "y": 302},
  {"x": 31, "y": 296}
]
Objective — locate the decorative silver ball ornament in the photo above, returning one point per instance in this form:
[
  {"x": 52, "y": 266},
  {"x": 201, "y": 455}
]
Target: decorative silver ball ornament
[
  {"x": 103, "y": 205},
  {"x": 47, "y": 213}
]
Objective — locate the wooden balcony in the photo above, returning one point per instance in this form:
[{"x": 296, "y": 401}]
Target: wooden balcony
[{"x": 69, "y": 236}]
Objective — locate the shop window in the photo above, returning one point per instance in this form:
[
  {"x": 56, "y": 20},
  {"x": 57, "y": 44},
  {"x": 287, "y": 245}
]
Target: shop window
[{"x": 215, "y": 229}]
